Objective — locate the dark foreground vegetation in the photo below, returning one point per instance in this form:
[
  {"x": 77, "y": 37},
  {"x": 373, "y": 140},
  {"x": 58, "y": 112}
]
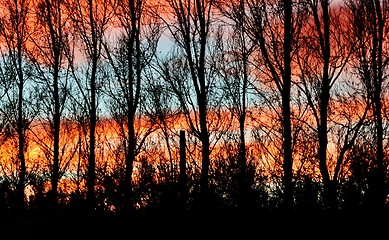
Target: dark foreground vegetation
[
  {"x": 252, "y": 225},
  {"x": 164, "y": 216}
]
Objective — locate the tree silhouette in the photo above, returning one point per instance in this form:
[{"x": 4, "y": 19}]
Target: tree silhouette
[
  {"x": 274, "y": 28},
  {"x": 322, "y": 59},
  {"x": 370, "y": 25},
  {"x": 52, "y": 53},
  {"x": 130, "y": 60},
  {"x": 235, "y": 69},
  {"x": 90, "y": 19},
  {"x": 190, "y": 28},
  {"x": 15, "y": 29}
]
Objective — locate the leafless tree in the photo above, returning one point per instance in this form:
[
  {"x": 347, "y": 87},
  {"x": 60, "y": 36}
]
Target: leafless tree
[
  {"x": 274, "y": 26},
  {"x": 130, "y": 59},
  {"x": 322, "y": 58},
  {"x": 370, "y": 25},
  {"x": 52, "y": 56},
  {"x": 90, "y": 19},
  {"x": 189, "y": 24},
  {"x": 15, "y": 28},
  {"x": 234, "y": 67},
  {"x": 164, "y": 112}
]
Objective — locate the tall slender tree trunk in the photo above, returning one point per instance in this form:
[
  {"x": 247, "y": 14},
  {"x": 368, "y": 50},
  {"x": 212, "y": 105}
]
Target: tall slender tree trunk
[
  {"x": 193, "y": 22},
  {"x": 21, "y": 127},
  {"x": 204, "y": 138},
  {"x": 21, "y": 138},
  {"x": 203, "y": 106},
  {"x": 92, "y": 140},
  {"x": 243, "y": 180},
  {"x": 57, "y": 121},
  {"x": 56, "y": 44},
  {"x": 379, "y": 196},
  {"x": 182, "y": 178},
  {"x": 130, "y": 158},
  {"x": 91, "y": 179},
  {"x": 286, "y": 118},
  {"x": 329, "y": 185},
  {"x": 370, "y": 23},
  {"x": 132, "y": 98}
]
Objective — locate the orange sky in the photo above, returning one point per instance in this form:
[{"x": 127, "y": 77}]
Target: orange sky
[{"x": 266, "y": 153}]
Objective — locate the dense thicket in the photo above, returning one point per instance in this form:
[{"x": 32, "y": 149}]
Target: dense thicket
[{"x": 125, "y": 106}]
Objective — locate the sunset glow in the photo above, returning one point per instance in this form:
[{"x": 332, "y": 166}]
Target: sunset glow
[{"x": 246, "y": 116}]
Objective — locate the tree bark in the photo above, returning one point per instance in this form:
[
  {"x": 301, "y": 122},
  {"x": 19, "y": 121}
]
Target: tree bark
[
  {"x": 286, "y": 119},
  {"x": 182, "y": 179}
]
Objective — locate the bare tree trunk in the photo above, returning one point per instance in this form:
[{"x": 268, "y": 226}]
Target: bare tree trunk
[
  {"x": 242, "y": 115},
  {"x": 21, "y": 134},
  {"x": 129, "y": 61},
  {"x": 238, "y": 53},
  {"x": 329, "y": 186},
  {"x": 51, "y": 18},
  {"x": 18, "y": 33},
  {"x": 243, "y": 179},
  {"x": 285, "y": 94},
  {"x": 133, "y": 97},
  {"x": 92, "y": 35},
  {"x": 90, "y": 18},
  {"x": 191, "y": 32},
  {"x": 57, "y": 125},
  {"x": 182, "y": 178},
  {"x": 370, "y": 24},
  {"x": 91, "y": 179},
  {"x": 326, "y": 34},
  {"x": 202, "y": 102},
  {"x": 379, "y": 196},
  {"x": 130, "y": 158},
  {"x": 204, "y": 138},
  {"x": 276, "y": 61}
]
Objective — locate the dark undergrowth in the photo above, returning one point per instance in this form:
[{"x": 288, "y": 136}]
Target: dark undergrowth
[{"x": 201, "y": 226}]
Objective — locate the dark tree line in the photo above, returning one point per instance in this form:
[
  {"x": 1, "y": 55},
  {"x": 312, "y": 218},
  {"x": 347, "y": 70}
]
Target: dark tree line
[{"x": 119, "y": 106}]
